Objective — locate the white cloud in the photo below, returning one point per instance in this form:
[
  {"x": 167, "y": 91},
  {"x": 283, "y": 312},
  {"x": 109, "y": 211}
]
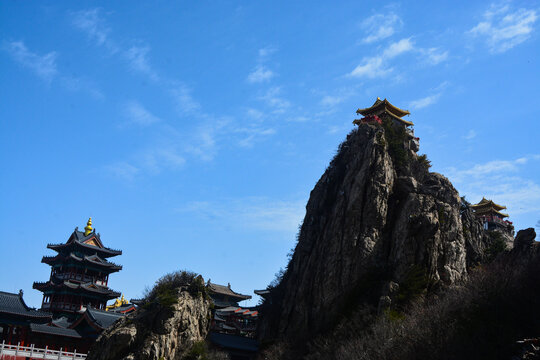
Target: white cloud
[
  {"x": 185, "y": 103},
  {"x": 435, "y": 55},
  {"x": 273, "y": 99},
  {"x": 371, "y": 67},
  {"x": 266, "y": 51},
  {"x": 503, "y": 28},
  {"x": 252, "y": 134},
  {"x": 377, "y": 66},
  {"x": 154, "y": 160},
  {"x": 398, "y": 48},
  {"x": 139, "y": 115},
  {"x": 380, "y": 26},
  {"x": 258, "y": 213},
  {"x": 123, "y": 170},
  {"x": 424, "y": 102},
  {"x": 260, "y": 74},
  {"x": 470, "y": 135},
  {"x": 137, "y": 57},
  {"x": 91, "y": 22},
  {"x": 500, "y": 181},
  {"x": 43, "y": 65}
]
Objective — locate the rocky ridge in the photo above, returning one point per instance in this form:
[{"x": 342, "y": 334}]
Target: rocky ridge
[
  {"x": 157, "y": 332},
  {"x": 377, "y": 224}
]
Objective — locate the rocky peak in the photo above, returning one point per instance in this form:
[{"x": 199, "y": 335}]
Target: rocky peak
[
  {"x": 157, "y": 332},
  {"x": 376, "y": 222}
]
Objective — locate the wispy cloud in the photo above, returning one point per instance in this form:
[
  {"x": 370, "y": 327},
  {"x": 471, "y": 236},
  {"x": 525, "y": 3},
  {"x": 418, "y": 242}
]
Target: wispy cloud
[
  {"x": 122, "y": 170},
  {"x": 260, "y": 74},
  {"x": 504, "y": 27},
  {"x": 81, "y": 84},
  {"x": 502, "y": 181},
  {"x": 252, "y": 134},
  {"x": 470, "y": 135},
  {"x": 138, "y": 114},
  {"x": 91, "y": 22},
  {"x": 138, "y": 60},
  {"x": 43, "y": 66},
  {"x": 380, "y": 26},
  {"x": 266, "y": 51},
  {"x": 434, "y": 55},
  {"x": 258, "y": 213},
  {"x": 377, "y": 66},
  {"x": 185, "y": 103},
  {"x": 425, "y": 101},
  {"x": 273, "y": 98}
]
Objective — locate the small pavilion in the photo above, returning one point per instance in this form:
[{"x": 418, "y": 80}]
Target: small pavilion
[{"x": 491, "y": 216}]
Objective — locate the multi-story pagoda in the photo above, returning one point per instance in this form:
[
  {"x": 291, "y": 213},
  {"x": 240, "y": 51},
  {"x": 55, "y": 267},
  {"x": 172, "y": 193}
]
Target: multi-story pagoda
[
  {"x": 491, "y": 216},
  {"x": 79, "y": 274},
  {"x": 383, "y": 110}
]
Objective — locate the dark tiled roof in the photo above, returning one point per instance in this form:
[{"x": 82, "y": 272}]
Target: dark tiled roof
[
  {"x": 124, "y": 308},
  {"x": 234, "y": 342},
  {"x": 103, "y": 318},
  {"x": 78, "y": 238},
  {"x": 14, "y": 304},
  {"x": 225, "y": 290},
  {"x": 91, "y": 259},
  {"x": 62, "y": 322},
  {"x": 53, "y": 330},
  {"x": 67, "y": 284}
]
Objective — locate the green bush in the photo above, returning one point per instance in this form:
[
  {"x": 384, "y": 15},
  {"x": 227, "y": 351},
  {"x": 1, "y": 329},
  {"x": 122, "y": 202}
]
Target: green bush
[
  {"x": 497, "y": 246},
  {"x": 395, "y": 137},
  {"x": 424, "y": 161},
  {"x": 165, "y": 290}
]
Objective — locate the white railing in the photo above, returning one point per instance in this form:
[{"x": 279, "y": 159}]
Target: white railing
[{"x": 6, "y": 351}]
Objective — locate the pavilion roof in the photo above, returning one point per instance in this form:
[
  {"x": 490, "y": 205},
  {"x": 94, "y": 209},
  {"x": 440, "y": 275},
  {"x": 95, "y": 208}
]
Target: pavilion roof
[
  {"x": 225, "y": 290},
  {"x": 14, "y": 304},
  {"x": 384, "y": 106},
  {"x": 98, "y": 319},
  {"x": 485, "y": 203}
]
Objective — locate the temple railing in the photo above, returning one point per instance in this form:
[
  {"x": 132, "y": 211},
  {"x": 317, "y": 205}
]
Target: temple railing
[{"x": 31, "y": 352}]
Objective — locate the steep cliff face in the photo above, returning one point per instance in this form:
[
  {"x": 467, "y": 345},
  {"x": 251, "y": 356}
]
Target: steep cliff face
[
  {"x": 156, "y": 333},
  {"x": 376, "y": 220}
]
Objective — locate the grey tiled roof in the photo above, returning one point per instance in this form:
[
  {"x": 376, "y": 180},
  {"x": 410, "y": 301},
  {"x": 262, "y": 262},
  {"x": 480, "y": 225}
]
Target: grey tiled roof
[
  {"x": 62, "y": 322},
  {"x": 14, "y": 304},
  {"x": 103, "y": 318},
  {"x": 53, "y": 330},
  {"x": 225, "y": 290}
]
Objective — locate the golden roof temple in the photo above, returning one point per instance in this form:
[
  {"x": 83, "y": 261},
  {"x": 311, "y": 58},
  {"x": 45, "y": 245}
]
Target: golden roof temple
[
  {"x": 381, "y": 107},
  {"x": 488, "y": 207}
]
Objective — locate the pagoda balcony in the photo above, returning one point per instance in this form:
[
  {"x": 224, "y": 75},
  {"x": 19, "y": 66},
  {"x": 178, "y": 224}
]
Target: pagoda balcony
[{"x": 81, "y": 278}]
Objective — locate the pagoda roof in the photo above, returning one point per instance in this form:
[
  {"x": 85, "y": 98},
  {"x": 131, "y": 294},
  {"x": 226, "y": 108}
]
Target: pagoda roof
[
  {"x": 384, "y": 106},
  {"x": 89, "y": 288},
  {"x": 14, "y": 304},
  {"x": 88, "y": 259},
  {"x": 485, "y": 203},
  {"x": 225, "y": 290},
  {"x": 53, "y": 330},
  {"x": 98, "y": 319},
  {"x": 91, "y": 242}
]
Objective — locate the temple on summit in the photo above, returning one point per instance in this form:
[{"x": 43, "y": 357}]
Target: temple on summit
[
  {"x": 383, "y": 109},
  {"x": 491, "y": 216},
  {"x": 79, "y": 274}
]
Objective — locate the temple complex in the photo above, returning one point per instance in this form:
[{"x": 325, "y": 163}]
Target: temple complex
[
  {"x": 382, "y": 110},
  {"x": 79, "y": 274},
  {"x": 74, "y": 309},
  {"x": 491, "y": 216}
]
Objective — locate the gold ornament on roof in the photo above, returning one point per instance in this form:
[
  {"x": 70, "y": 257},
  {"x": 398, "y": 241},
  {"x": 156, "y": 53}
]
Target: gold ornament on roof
[{"x": 88, "y": 228}]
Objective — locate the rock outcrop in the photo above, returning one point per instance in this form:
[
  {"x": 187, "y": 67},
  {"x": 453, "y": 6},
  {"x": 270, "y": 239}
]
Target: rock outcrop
[
  {"x": 158, "y": 332},
  {"x": 375, "y": 221}
]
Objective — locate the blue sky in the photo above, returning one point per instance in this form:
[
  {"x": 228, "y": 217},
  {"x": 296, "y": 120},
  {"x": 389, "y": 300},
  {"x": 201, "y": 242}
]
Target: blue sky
[{"x": 193, "y": 132}]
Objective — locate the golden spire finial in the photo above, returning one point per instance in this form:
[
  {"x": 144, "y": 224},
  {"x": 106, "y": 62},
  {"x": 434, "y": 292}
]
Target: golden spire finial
[
  {"x": 378, "y": 98},
  {"x": 88, "y": 228}
]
